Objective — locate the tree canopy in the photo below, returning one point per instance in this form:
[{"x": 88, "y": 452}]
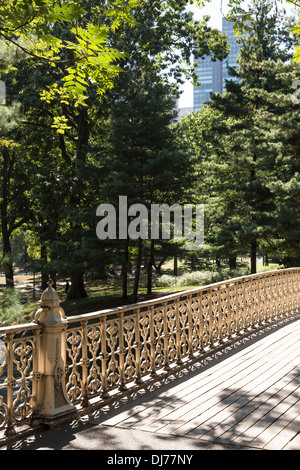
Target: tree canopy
[{"x": 90, "y": 115}]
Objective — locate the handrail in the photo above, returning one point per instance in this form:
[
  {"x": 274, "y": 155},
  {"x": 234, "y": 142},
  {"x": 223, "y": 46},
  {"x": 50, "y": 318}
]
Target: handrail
[{"x": 176, "y": 295}]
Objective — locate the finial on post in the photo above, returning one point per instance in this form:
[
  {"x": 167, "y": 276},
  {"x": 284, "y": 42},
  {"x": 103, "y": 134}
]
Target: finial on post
[{"x": 49, "y": 310}]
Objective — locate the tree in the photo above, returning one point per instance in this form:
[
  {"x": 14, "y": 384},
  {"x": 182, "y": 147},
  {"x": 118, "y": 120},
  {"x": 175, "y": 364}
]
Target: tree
[
  {"x": 33, "y": 27},
  {"x": 145, "y": 164},
  {"x": 245, "y": 153},
  {"x": 15, "y": 183},
  {"x": 60, "y": 123}
]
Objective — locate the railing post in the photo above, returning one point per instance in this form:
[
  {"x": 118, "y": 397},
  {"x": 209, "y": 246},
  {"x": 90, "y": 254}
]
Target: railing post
[
  {"x": 10, "y": 384},
  {"x": 52, "y": 400}
]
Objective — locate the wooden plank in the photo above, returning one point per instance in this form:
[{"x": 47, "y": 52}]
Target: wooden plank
[
  {"x": 283, "y": 430},
  {"x": 264, "y": 416}
]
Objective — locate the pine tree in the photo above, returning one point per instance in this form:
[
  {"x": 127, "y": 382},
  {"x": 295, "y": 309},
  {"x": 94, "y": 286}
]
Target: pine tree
[
  {"x": 246, "y": 154},
  {"x": 145, "y": 164}
]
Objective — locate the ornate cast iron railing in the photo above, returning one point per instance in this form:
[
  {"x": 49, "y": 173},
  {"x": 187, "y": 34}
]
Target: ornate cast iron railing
[
  {"x": 91, "y": 359},
  {"x": 112, "y": 349},
  {"x": 19, "y": 375}
]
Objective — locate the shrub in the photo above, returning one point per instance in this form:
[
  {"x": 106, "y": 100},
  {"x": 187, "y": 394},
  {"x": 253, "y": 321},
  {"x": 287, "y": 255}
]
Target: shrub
[
  {"x": 198, "y": 278},
  {"x": 10, "y": 307}
]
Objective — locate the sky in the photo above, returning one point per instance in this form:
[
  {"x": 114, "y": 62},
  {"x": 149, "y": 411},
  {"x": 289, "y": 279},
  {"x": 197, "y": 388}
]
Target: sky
[{"x": 212, "y": 9}]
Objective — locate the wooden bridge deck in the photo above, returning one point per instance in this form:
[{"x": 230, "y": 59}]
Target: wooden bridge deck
[{"x": 249, "y": 397}]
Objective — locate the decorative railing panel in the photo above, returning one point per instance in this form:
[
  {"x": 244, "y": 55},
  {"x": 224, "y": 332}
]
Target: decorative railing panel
[
  {"x": 101, "y": 355},
  {"x": 19, "y": 375}
]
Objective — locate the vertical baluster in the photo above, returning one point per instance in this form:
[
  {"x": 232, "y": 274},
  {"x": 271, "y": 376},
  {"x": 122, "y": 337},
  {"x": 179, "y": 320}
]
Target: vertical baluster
[
  {"x": 228, "y": 312},
  {"x": 10, "y": 384},
  {"x": 219, "y": 316},
  {"x": 236, "y": 309},
  {"x": 201, "y": 321},
  {"x": 190, "y": 326},
  {"x": 210, "y": 316},
  {"x": 137, "y": 346},
  {"x": 294, "y": 293},
  {"x": 84, "y": 364},
  {"x": 286, "y": 288},
  {"x": 121, "y": 352},
  {"x": 259, "y": 307},
  {"x": 165, "y": 336},
  {"x": 152, "y": 341},
  {"x": 252, "y": 308},
  {"x": 103, "y": 357},
  {"x": 267, "y": 312},
  {"x": 35, "y": 376},
  {"x": 196, "y": 321},
  {"x": 275, "y": 298},
  {"x": 177, "y": 331},
  {"x": 266, "y": 284},
  {"x": 247, "y": 320},
  {"x": 298, "y": 289},
  {"x": 276, "y": 310}
]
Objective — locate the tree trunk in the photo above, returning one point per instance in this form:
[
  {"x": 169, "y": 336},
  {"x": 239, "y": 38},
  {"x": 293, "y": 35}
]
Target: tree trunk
[
  {"x": 7, "y": 253},
  {"x": 125, "y": 272},
  {"x": 232, "y": 263},
  {"x": 44, "y": 262},
  {"x": 159, "y": 266},
  {"x": 266, "y": 259},
  {"x": 150, "y": 268},
  {"x": 175, "y": 272},
  {"x": 253, "y": 256},
  {"x": 77, "y": 289},
  {"x": 7, "y": 262},
  {"x": 137, "y": 271}
]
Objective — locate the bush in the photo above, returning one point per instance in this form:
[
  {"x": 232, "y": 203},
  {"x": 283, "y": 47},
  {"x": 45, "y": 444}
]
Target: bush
[
  {"x": 10, "y": 307},
  {"x": 198, "y": 278}
]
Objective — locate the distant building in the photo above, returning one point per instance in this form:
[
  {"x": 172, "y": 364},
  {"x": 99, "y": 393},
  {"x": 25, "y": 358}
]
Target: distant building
[
  {"x": 230, "y": 61},
  {"x": 210, "y": 75},
  {"x": 213, "y": 75},
  {"x": 181, "y": 112}
]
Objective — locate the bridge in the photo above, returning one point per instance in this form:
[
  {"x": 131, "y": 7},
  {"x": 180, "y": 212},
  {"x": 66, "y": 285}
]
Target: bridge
[{"x": 215, "y": 367}]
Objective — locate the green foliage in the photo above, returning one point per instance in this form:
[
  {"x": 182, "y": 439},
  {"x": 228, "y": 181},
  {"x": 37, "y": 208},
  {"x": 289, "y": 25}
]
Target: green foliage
[
  {"x": 10, "y": 307},
  {"x": 32, "y": 27},
  {"x": 199, "y": 278}
]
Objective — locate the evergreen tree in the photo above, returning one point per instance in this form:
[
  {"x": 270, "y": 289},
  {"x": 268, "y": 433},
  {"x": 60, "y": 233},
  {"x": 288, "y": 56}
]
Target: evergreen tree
[
  {"x": 145, "y": 164},
  {"x": 246, "y": 155}
]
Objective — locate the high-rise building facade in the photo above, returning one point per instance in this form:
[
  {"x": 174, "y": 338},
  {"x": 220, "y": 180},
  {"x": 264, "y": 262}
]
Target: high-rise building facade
[
  {"x": 213, "y": 75},
  {"x": 230, "y": 61},
  {"x": 210, "y": 76}
]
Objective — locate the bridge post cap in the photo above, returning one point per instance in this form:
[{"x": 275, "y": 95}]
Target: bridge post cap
[
  {"x": 50, "y": 296},
  {"x": 49, "y": 310}
]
